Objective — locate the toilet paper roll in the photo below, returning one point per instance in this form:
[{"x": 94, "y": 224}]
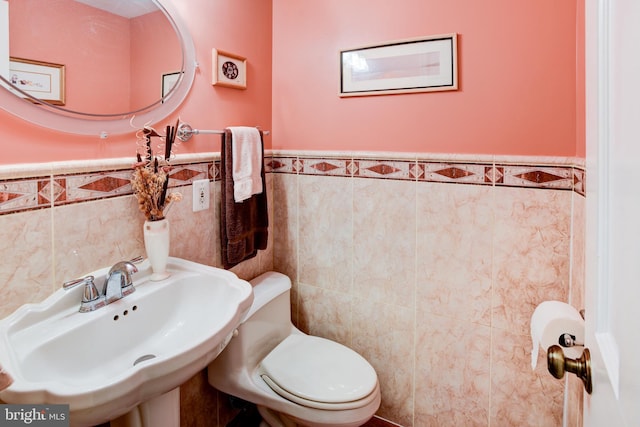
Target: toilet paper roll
[
  {"x": 5, "y": 379},
  {"x": 550, "y": 320}
]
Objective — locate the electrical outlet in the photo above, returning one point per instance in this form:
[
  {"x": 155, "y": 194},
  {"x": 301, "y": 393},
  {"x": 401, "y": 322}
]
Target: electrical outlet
[{"x": 200, "y": 195}]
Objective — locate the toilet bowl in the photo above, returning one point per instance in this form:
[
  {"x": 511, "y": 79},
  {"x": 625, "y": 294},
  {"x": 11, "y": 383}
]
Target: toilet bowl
[{"x": 293, "y": 378}]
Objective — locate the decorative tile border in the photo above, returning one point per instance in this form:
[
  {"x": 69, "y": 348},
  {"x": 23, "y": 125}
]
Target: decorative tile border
[
  {"x": 91, "y": 186},
  {"x": 329, "y": 167},
  {"x": 460, "y": 173},
  {"x": 555, "y": 177},
  {"x": 57, "y": 189},
  {"x": 384, "y": 169},
  {"x": 579, "y": 181},
  {"x": 503, "y": 174},
  {"x": 288, "y": 165},
  {"x": 24, "y": 194}
]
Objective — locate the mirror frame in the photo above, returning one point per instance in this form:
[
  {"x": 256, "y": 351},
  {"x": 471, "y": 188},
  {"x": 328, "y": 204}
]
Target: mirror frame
[{"x": 49, "y": 117}]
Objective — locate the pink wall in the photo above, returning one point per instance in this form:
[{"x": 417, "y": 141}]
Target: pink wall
[
  {"x": 76, "y": 46},
  {"x": 517, "y": 76},
  {"x": 520, "y": 91},
  {"x": 155, "y": 50},
  {"x": 213, "y": 23},
  {"x": 581, "y": 130}
]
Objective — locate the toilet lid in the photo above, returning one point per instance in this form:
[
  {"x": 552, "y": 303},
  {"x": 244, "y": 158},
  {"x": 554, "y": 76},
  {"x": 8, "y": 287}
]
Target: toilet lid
[{"x": 318, "y": 370}]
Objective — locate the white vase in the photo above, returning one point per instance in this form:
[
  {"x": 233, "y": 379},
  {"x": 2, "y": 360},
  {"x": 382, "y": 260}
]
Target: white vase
[{"x": 156, "y": 243}]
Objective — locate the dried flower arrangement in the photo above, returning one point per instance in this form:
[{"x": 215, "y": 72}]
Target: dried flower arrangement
[{"x": 150, "y": 179}]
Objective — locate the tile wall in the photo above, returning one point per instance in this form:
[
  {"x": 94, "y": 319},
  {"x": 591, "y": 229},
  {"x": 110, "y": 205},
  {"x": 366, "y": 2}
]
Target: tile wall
[
  {"x": 61, "y": 221},
  {"x": 428, "y": 266},
  {"x": 431, "y": 268}
]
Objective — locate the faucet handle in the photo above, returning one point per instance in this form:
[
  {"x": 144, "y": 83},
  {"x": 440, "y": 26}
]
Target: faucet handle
[
  {"x": 75, "y": 282},
  {"x": 91, "y": 298},
  {"x": 90, "y": 292}
]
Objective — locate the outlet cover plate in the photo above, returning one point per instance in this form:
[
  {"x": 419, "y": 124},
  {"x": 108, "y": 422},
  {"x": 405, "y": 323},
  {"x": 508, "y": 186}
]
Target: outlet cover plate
[{"x": 200, "y": 195}]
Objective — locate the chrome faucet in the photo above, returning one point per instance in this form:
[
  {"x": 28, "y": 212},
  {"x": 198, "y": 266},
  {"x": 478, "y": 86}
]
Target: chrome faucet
[{"x": 118, "y": 284}]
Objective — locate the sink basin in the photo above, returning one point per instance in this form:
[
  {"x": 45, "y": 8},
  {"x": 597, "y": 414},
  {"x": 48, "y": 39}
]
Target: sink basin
[{"x": 106, "y": 362}]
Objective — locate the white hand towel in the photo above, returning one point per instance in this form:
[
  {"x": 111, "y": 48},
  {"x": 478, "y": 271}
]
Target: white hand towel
[{"x": 247, "y": 162}]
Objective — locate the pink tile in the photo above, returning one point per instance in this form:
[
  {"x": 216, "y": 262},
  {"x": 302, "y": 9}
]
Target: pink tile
[
  {"x": 384, "y": 335},
  {"x": 325, "y": 313},
  {"x": 578, "y": 266},
  {"x": 520, "y": 396},
  {"x": 325, "y": 234},
  {"x": 284, "y": 223},
  {"x": 184, "y": 222},
  {"x": 452, "y": 371},
  {"x": 26, "y": 270},
  {"x": 531, "y": 253},
  {"x": 384, "y": 229},
  {"x": 362, "y": 252},
  {"x": 81, "y": 239},
  {"x": 454, "y": 252}
]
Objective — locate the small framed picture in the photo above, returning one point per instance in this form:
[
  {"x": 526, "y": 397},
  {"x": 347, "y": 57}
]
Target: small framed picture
[
  {"x": 42, "y": 80},
  {"x": 169, "y": 80},
  {"x": 424, "y": 64},
  {"x": 229, "y": 70}
]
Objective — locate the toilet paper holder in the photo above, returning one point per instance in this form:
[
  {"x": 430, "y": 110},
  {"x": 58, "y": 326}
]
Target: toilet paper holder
[{"x": 558, "y": 364}]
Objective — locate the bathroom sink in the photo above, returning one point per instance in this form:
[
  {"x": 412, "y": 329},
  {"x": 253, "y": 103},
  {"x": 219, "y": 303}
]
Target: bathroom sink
[{"x": 106, "y": 362}]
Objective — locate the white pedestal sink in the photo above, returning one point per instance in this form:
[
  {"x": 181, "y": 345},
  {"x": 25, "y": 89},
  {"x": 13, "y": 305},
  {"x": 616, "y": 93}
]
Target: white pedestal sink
[
  {"x": 105, "y": 363},
  {"x": 161, "y": 411}
]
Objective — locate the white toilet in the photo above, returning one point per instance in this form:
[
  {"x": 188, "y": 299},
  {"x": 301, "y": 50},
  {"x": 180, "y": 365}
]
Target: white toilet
[{"x": 293, "y": 378}]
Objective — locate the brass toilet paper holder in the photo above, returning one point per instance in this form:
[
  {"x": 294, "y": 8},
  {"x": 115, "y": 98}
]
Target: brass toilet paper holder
[{"x": 558, "y": 364}]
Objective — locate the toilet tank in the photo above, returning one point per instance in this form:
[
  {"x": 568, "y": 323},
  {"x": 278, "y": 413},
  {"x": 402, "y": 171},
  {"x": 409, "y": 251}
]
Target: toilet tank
[{"x": 265, "y": 325}]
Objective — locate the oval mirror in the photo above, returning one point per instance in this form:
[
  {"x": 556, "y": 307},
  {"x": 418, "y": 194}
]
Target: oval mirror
[{"x": 90, "y": 66}]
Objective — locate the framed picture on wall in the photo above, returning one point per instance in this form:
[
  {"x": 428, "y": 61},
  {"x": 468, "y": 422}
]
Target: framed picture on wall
[
  {"x": 42, "y": 80},
  {"x": 229, "y": 70},
  {"x": 169, "y": 81},
  {"x": 424, "y": 64}
]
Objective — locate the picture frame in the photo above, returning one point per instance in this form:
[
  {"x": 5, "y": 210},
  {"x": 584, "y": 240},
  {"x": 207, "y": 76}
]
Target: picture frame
[
  {"x": 424, "y": 64},
  {"x": 169, "y": 80},
  {"x": 44, "y": 81},
  {"x": 229, "y": 70}
]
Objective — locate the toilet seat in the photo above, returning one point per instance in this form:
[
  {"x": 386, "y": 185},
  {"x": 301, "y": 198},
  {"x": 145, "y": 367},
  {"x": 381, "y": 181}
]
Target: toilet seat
[{"x": 319, "y": 373}]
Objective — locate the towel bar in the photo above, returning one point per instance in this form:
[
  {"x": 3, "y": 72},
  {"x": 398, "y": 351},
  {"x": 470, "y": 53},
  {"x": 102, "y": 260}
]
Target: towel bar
[{"x": 185, "y": 132}]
